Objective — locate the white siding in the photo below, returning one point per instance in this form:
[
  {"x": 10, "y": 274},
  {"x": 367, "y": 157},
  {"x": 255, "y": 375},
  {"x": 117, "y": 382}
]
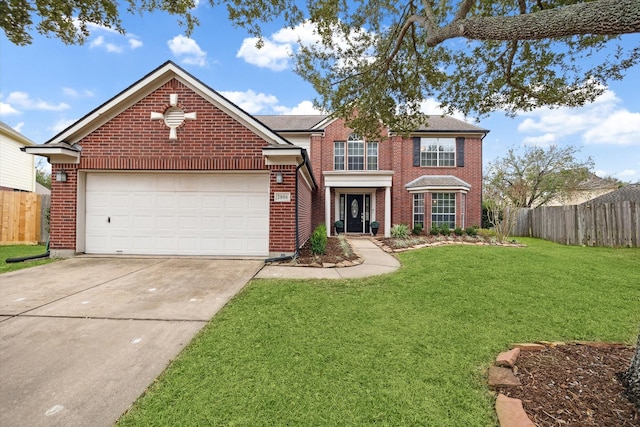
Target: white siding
[{"x": 17, "y": 169}]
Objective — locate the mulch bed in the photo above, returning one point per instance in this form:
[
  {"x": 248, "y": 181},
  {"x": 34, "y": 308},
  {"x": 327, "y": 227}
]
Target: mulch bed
[
  {"x": 333, "y": 254},
  {"x": 575, "y": 385}
]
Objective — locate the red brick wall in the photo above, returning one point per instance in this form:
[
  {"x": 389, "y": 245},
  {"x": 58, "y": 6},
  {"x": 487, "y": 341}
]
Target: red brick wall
[
  {"x": 132, "y": 141},
  {"x": 62, "y": 219},
  {"x": 396, "y": 154},
  {"x": 471, "y": 173},
  {"x": 282, "y": 236}
]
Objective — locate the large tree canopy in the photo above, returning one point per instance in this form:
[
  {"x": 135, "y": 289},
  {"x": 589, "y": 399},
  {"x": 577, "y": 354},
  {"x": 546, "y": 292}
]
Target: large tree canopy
[{"x": 383, "y": 58}]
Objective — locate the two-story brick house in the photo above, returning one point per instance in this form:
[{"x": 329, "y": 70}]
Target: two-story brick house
[
  {"x": 432, "y": 177},
  {"x": 171, "y": 167}
]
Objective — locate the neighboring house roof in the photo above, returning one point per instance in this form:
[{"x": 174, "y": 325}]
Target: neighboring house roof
[
  {"x": 628, "y": 193},
  {"x": 437, "y": 182},
  {"x": 41, "y": 189},
  {"x": 14, "y": 134},
  {"x": 309, "y": 123}
]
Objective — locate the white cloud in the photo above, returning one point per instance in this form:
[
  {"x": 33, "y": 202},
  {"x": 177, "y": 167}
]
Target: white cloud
[
  {"x": 134, "y": 43},
  {"x": 304, "y": 107},
  {"x": 18, "y": 127},
  {"x": 271, "y": 55},
  {"x": 278, "y": 49},
  {"x": 252, "y": 102},
  {"x": 432, "y": 107},
  {"x": 627, "y": 173},
  {"x": 620, "y": 128},
  {"x": 601, "y": 122},
  {"x": 99, "y": 42},
  {"x": 61, "y": 125},
  {"x": 260, "y": 103},
  {"x": 7, "y": 109},
  {"x": 545, "y": 140},
  {"x": 187, "y": 50},
  {"x": 76, "y": 94},
  {"x": 24, "y": 101}
]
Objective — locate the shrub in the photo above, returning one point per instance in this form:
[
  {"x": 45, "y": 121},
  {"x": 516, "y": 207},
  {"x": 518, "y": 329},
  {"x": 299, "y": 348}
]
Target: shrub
[
  {"x": 458, "y": 231},
  {"x": 444, "y": 230},
  {"x": 344, "y": 245},
  {"x": 400, "y": 231},
  {"x": 486, "y": 233},
  {"x": 472, "y": 230},
  {"x": 319, "y": 240},
  {"x": 435, "y": 230},
  {"x": 417, "y": 229}
]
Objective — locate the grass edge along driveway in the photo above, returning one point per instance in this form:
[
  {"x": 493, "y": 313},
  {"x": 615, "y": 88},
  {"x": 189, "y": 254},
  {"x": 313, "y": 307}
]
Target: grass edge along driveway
[{"x": 409, "y": 348}]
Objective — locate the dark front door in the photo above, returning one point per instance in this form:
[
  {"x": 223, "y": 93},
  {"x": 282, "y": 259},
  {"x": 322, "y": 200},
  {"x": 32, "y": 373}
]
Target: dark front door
[{"x": 355, "y": 209}]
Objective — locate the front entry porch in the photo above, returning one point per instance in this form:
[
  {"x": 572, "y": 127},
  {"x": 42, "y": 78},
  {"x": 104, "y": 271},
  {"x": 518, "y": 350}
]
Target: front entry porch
[{"x": 351, "y": 197}]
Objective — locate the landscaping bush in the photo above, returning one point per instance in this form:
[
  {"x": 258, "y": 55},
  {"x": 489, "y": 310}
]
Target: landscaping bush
[
  {"x": 444, "y": 230},
  {"x": 435, "y": 230},
  {"x": 486, "y": 233},
  {"x": 417, "y": 230},
  {"x": 471, "y": 231},
  {"x": 319, "y": 240},
  {"x": 400, "y": 231},
  {"x": 458, "y": 231}
]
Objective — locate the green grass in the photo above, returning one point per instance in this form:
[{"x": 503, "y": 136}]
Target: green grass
[
  {"x": 409, "y": 348},
  {"x": 17, "y": 251}
]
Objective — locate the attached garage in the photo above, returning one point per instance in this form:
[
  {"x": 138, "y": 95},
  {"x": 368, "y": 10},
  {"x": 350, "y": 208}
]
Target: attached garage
[{"x": 164, "y": 213}]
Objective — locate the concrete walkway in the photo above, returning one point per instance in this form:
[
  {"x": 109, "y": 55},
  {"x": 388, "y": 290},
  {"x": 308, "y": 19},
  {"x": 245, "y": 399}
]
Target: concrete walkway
[{"x": 376, "y": 262}]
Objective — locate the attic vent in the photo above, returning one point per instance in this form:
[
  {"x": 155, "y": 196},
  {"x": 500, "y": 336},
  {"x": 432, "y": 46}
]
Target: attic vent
[{"x": 173, "y": 116}]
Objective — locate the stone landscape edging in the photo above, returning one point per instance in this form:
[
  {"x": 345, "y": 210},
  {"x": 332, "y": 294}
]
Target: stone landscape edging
[
  {"x": 510, "y": 411},
  {"x": 388, "y": 249}
]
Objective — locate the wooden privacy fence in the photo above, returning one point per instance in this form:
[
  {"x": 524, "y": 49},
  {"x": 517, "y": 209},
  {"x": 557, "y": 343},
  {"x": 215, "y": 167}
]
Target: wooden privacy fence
[
  {"x": 608, "y": 224},
  {"x": 23, "y": 218}
]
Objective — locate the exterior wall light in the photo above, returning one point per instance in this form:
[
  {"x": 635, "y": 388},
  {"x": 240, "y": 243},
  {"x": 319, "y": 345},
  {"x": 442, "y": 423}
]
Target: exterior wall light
[
  {"x": 279, "y": 177},
  {"x": 61, "y": 176}
]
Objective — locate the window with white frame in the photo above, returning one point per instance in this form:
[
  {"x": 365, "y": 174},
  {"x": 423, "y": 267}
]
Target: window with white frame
[
  {"x": 338, "y": 155},
  {"x": 437, "y": 152},
  {"x": 443, "y": 209},
  {"x": 418, "y": 209},
  {"x": 355, "y": 154}
]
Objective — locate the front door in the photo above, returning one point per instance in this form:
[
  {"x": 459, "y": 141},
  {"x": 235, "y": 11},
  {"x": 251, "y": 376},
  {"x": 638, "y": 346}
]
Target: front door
[{"x": 354, "y": 214}]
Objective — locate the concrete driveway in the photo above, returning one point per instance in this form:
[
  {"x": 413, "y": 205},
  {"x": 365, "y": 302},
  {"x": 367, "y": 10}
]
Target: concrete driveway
[{"x": 81, "y": 339}]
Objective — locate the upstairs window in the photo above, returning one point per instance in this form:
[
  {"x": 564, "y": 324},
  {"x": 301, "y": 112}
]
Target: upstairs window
[
  {"x": 438, "y": 152},
  {"x": 355, "y": 154},
  {"x": 338, "y": 156}
]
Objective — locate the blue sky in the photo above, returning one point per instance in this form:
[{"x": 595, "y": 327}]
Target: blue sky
[{"x": 46, "y": 86}]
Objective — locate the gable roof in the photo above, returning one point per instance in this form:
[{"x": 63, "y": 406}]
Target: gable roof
[
  {"x": 146, "y": 85},
  {"x": 628, "y": 193}
]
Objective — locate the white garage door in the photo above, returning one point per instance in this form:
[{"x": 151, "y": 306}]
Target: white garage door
[{"x": 177, "y": 214}]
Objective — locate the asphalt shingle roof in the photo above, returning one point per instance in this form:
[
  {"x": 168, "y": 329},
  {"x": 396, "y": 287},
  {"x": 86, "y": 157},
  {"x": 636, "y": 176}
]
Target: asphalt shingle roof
[
  {"x": 290, "y": 123},
  {"x": 628, "y": 193},
  {"x": 444, "y": 181}
]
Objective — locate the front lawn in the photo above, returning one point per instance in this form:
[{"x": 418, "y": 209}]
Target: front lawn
[
  {"x": 18, "y": 251},
  {"x": 409, "y": 348}
]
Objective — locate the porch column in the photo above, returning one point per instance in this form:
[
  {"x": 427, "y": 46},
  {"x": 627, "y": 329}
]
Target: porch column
[
  {"x": 327, "y": 209},
  {"x": 387, "y": 212}
]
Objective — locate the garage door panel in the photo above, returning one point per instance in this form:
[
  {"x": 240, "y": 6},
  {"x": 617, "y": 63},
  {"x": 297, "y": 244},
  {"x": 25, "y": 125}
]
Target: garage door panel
[{"x": 181, "y": 214}]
